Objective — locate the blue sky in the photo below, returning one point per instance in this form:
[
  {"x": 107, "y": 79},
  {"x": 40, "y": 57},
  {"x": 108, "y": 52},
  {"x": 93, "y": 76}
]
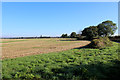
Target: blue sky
[{"x": 54, "y": 18}]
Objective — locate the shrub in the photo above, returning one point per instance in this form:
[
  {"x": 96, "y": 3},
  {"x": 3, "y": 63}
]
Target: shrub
[
  {"x": 101, "y": 42},
  {"x": 64, "y": 36},
  {"x": 80, "y": 37},
  {"x": 73, "y": 35}
]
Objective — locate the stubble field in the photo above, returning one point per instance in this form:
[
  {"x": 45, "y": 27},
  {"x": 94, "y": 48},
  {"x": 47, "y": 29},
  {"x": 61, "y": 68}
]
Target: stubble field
[{"x": 12, "y": 48}]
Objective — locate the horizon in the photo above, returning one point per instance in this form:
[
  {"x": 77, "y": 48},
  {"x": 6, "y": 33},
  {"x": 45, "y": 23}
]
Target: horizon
[{"x": 31, "y": 19}]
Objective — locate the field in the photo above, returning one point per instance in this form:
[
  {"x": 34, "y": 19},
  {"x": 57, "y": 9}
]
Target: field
[
  {"x": 12, "y": 48},
  {"x": 73, "y": 64}
]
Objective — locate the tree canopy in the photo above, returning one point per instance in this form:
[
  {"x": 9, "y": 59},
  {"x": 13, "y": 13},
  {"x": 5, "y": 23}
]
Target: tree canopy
[
  {"x": 90, "y": 32},
  {"x": 64, "y": 36},
  {"x": 73, "y": 35},
  {"x": 105, "y": 28}
]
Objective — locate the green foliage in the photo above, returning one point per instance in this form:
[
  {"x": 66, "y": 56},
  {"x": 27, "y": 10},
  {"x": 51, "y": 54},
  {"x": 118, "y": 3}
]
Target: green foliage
[
  {"x": 74, "y": 64},
  {"x": 81, "y": 37},
  {"x": 73, "y": 35},
  {"x": 106, "y": 28},
  {"x": 101, "y": 42},
  {"x": 90, "y": 32},
  {"x": 78, "y": 35},
  {"x": 64, "y": 36}
]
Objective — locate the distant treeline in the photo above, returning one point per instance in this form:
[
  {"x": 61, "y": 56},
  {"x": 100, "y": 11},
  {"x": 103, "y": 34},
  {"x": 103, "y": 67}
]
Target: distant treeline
[
  {"x": 28, "y": 37},
  {"x": 113, "y": 38}
]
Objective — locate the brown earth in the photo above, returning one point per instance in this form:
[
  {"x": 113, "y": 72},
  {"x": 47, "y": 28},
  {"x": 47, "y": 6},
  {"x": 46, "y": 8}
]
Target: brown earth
[{"x": 12, "y": 48}]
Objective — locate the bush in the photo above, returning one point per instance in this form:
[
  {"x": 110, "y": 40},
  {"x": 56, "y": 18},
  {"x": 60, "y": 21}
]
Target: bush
[
  {"x": 73, "y": 35},
  {"x": 64, "y": 36},
  {"x": 101, "y": 42},
  {"x": 81, "y": 37}
]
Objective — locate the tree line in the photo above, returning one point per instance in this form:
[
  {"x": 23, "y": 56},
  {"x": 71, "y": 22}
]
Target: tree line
[
  {"x": 104, "y": 29},
  {"x": 72, "y": 35}
]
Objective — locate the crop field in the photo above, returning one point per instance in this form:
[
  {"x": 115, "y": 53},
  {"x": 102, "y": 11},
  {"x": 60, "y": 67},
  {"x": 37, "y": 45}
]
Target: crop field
[
  {"x": 73, "y": 64},
  {"x": 12, "y": 48}
]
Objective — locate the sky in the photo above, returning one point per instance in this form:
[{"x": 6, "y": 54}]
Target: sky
[
  {"x": 60, "y": 0},
  {"x": 54, "y": 18}
]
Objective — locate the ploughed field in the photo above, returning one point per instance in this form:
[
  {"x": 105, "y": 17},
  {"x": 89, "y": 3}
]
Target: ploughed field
[{"x": 12, "y": 48}]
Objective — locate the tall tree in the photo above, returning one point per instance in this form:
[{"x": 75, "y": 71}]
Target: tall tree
[
  {"x": 90, "y": 32},
  {"x": 106, "y": 28}
]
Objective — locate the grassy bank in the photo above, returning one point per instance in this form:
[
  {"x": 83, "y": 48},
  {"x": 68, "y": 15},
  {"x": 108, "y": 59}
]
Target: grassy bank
[{"x": 74, "y": 64}]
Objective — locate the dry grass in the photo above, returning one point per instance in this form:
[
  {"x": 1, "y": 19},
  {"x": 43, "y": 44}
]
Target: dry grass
[{"x": 12, "y": 48}]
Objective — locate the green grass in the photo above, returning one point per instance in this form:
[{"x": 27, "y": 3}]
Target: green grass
[{"x": 74, "y": 64}]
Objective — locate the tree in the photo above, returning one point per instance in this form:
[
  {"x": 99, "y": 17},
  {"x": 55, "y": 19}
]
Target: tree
[
  {"x": 78, "y": 35},
  {"x": 64, "y": 36},
  {"x": 106, "y": 28},
  {"x": 73, "y": 35},
  {"x": 90, "y": 32}
]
